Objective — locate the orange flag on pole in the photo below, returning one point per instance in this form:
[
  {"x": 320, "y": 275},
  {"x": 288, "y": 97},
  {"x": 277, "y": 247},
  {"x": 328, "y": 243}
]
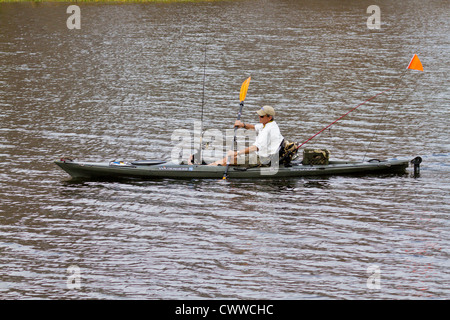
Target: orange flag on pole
[{"x": 415, "y": 63}]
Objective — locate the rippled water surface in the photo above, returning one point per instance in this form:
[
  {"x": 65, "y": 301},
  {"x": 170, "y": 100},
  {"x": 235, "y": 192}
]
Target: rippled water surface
[{"x": 118, "y": 88}]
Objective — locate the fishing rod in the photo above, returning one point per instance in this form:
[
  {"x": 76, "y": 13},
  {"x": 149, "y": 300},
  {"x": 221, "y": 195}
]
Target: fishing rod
[
  {"x": 204, "y": 80},
  {"x": 198, "y": 158},
  {"x": 414, "y": 64},
  {"x": 312, "y": 137}
]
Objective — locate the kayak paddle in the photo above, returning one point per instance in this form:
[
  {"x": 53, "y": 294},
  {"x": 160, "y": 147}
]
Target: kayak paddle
[{"x": 242, "y": 95}]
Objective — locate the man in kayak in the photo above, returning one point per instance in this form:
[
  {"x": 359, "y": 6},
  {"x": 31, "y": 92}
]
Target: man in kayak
[{"x": 267, "y": 143}]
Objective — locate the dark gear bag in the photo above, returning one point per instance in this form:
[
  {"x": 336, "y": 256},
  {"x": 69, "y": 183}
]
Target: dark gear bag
[{"x": 287, "y": 152}]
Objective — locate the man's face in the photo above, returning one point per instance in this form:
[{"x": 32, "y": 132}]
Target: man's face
[{"x": 264, "y": 119}]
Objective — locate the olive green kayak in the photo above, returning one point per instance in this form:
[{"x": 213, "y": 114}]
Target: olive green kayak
[{"x": 148, "y": 169}]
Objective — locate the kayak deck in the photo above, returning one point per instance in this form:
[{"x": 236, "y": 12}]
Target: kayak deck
[{"x": 148, "y": 169}]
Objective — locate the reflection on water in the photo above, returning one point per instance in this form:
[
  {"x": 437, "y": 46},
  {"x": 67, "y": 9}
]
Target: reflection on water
[{"x": 119, "y": 86}]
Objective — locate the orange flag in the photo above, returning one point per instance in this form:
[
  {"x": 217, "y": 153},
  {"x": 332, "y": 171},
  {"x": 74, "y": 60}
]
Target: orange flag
[{"x": 415, "y": 63}]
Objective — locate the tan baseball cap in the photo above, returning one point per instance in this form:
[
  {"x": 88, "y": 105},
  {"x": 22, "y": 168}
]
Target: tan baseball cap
[{"x": 266, "y": 110}]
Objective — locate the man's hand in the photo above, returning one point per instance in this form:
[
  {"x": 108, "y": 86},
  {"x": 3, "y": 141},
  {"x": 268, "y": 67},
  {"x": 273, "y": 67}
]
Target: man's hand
[{"x": 239, "y": 124}]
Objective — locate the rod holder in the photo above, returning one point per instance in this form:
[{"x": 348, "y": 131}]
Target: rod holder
[{"x": 416, "y": 162}]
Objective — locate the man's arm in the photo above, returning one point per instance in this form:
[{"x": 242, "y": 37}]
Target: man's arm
[
  {"x": 244, "y": 125},
  {"x": 248, "y": 150}
]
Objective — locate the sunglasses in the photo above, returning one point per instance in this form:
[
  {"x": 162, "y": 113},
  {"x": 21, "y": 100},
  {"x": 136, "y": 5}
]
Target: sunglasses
[{"x": 263, "y": 116}]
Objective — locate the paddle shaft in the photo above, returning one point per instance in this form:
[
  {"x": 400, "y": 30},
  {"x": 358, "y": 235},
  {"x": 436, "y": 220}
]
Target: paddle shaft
[
  {"x": 241, "y": 106},
  {"x": 242, "y": 95},
  {"x": 235, "y": 128}
]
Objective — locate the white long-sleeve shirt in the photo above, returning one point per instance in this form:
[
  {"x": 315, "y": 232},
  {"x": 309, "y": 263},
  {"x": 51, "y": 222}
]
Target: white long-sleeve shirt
[{"x": 268, "y": 139}]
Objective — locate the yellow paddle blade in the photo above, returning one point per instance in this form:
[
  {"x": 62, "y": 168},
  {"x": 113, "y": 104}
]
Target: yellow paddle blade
[{"x": 244, "y": 89}]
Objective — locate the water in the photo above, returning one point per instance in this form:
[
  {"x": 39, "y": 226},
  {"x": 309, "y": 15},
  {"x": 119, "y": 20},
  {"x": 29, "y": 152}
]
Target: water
[{"x": 117, "y": 89}]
